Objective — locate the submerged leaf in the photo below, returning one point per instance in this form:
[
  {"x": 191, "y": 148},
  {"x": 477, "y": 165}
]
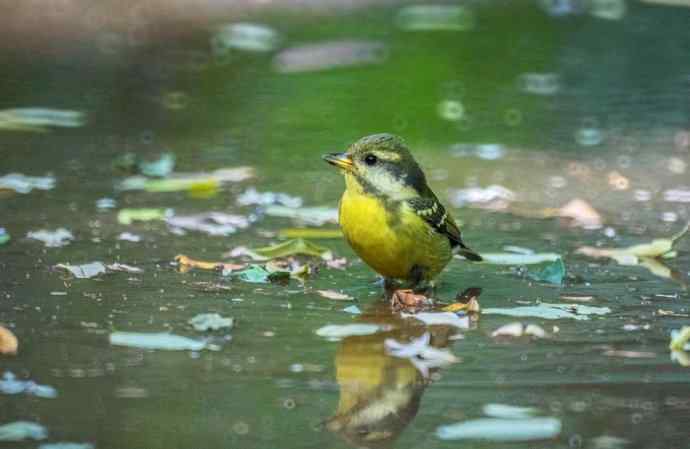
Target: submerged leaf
[
  {"x": 338, "y": 331},
  {"x": 158, "y": 168},
  {"x": 332, "y": 294},
  {"x": 52, "y": 239},
  {"x": 258, "y": 274}
]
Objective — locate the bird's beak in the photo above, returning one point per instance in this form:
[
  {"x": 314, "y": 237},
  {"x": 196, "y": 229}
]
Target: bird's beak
[{"x": 340, "y": 160}]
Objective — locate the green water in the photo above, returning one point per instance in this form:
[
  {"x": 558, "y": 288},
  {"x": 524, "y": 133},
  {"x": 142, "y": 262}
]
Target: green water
[{"x": 277, "y": 384}]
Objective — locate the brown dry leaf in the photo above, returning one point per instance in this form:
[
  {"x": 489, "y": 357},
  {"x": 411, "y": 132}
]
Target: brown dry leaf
[
  {"x": 8, "y": 342},
  {"x": 186, "y": 263},
  {"x": 332, "y": 294}
]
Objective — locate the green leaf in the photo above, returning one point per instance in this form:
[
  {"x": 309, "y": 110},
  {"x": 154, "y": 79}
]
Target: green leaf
[
  {"x": 127, "y": 216},
  {"x": 255, "y": 274}
]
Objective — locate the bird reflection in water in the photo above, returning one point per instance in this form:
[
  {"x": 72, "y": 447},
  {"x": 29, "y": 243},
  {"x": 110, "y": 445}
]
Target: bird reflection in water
[{"x": 380, "y": 393}]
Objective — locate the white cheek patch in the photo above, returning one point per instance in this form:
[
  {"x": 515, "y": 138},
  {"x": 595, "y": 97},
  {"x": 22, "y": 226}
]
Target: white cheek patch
[{"x": 391, "y": 186}]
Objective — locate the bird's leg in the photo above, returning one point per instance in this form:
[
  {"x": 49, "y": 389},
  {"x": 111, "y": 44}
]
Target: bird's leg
[{"x": 419, "y": 282}]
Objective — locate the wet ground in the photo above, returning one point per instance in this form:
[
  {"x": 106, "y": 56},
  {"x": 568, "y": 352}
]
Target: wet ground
[{"x": 564, "y": 103}]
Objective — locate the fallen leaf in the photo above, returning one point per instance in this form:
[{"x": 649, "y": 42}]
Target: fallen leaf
[
  {"x": 316, "y": 216},
  {"x": 163, "y": 340},
  {"x": 128, "y": 216},
  {"x": 551, "y": 311},
  {"x": 630, "y": 354},
  {"x": 630, "y": 255},
  {"x": 211, "y": 223},
  {"x": 518, "y": 259},
  {"x": 210, "y": 321},
  {"x": 310, "y": 233},
  {"x": 84, "y": 271},
  {"x": 332, "y": 294},
  {"x": 466, "y": 301},
  {"x": 158, "y": 168},
  {"x": 22, "y": 430},
  {"x": 290, "y": 248},
  {"x": 552, "y": 273},
  {"x": 338, "y": 331},
  {"x": 186, "y": 263},
  {"x": 8, "y": 342},
  {"x": 505, "y": 430},
  {"x": 337, "y": 263},
  {"x": 52, "y": 239},
  {"x": 4, "y": 236},
  {"x": 582, "y": 214},
  {"x": 123, "y": 267},
  {"x": 39, "y": 119},
  {"x": 258, "y": 274},
  {"x": 679, "y": 339},
  {"x": 441, "y": 319}
]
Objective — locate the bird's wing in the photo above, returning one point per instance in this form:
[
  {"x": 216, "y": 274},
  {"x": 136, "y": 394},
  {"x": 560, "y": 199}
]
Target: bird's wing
[{"x": 433, "y": 212}]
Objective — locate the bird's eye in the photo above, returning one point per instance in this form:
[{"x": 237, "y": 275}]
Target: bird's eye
[{"x": 370, "y": 159}]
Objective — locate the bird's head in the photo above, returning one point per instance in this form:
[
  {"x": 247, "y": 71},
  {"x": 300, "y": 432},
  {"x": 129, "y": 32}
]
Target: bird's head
[{"x": 380, "y": 164}]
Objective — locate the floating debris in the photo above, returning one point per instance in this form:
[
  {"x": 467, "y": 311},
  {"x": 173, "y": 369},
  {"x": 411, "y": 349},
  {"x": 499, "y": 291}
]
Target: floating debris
[
  {"x": 329, "y": 55},
  {"x": 39, "y": 119},
  {"x": 211, "y": 223},
  {"x": 677, "y": 196},
  {"x": 66, "y": 445},
  {"x": 129, "y": 216},
  {"x": 192, "y": 182},
  {"x": 679, "y": 339},
  {"x": 435, "y": 18},
  {"x": 581, "y": 213},
  {"x": 354, "y": 310},
  {"x": 553, "y": 273},
  {"x": 518, "y": 330},
  {"x": 186, "y": 263},
  {"x": 162, "y": 340},
  {"x": 338, "y": 331},
  {"x": 158, "y": 168},
  {"x": 290, "y": 248},
  {"x": 336, "y": 296},
  {"x": 106, "y": 203},
  {"x": 52, "y": 239},
  {"x": 84, "y": 271},
  {"x": 251, "y": 37},
  {"x": 519, "y": 259},
  {"x": 633, "y": 254},
  {"x": 210, "y": 321},
  {"x": 441, "y": 319},
  {"x": 258, "y": 274},
  {"x": 10, "y": 385},
  {"x": 494, "y": 429},
  {"x": 310, "y": 233},
  {"x": 124, "y": 268},
  {"x": 420, "y": 353},
  {"x": 8, "y": 342},
  {"x": 408, "y": 300},
  {"x": 478, "y": 195},
  {"x": 506, "y": 411},
  {"x": 539, "y": 83},
  {"x": 25, "y": 184},
  {"x": 551, "y": 311},
  {"x": 316, "y": 216},
  {"x": 251, "y": 196},
  {"x": 4, "y": 236},
  {"x": 129, "y": 237},
  {"x": 22, "y": 430}
]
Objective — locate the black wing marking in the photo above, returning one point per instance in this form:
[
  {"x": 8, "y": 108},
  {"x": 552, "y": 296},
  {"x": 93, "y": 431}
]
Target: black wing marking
[{"x": 433, "y": 212}]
